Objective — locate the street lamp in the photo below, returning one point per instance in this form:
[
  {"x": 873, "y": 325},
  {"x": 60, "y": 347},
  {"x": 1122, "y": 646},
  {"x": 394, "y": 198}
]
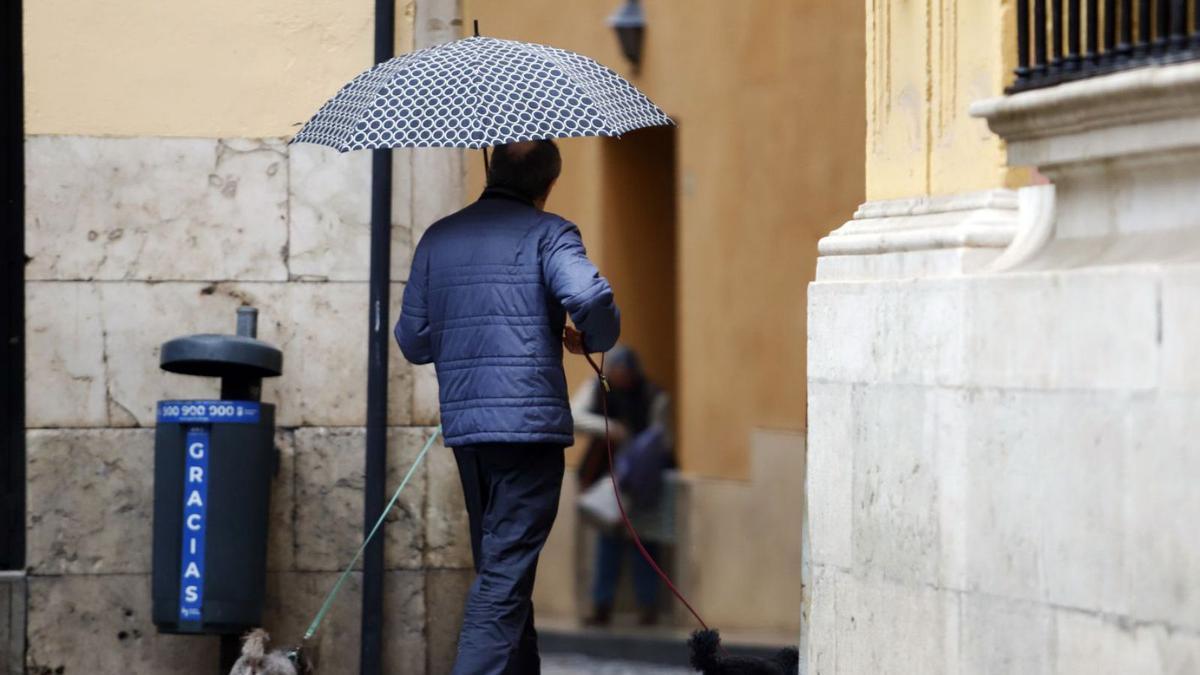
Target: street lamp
[{"x": 630, "y": 25}]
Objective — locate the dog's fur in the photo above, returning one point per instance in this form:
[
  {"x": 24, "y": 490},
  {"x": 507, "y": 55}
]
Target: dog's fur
[
  {"x": 708, "y": 658},
  {"x": 256, "y": 661}
]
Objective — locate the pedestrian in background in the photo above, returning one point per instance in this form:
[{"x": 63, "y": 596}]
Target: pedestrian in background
[{"x": 639, "y": 424}]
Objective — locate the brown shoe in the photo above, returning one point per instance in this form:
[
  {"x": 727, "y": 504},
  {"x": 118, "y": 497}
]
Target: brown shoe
[{"x": 648, "y": 616}]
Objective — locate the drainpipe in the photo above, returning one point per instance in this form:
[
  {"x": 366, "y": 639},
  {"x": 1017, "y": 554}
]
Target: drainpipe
[{"x": 371, "y": 649}]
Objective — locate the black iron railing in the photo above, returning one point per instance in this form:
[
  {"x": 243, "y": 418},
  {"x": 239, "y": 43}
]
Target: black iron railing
[{"x": 1062, "y": 40}]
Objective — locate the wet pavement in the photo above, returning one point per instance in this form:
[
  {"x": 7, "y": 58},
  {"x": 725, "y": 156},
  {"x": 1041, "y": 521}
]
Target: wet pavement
[{"x": 571, "y": 664}]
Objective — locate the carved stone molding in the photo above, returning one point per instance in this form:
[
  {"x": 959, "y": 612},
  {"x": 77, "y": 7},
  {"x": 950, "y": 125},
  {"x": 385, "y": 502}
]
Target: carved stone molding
[
  {"x": 921, "y": 236},
  {"x": 1123, "y": 152}
]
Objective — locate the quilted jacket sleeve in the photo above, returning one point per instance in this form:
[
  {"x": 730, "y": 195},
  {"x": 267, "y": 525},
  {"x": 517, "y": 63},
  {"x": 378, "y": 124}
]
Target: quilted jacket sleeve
[
  {"x": 412, "y": 330},
  {"x": 577, "y": 284}
]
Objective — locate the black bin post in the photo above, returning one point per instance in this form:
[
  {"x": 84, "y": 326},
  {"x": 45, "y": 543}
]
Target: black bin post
[{"x": 213, "y": 465}]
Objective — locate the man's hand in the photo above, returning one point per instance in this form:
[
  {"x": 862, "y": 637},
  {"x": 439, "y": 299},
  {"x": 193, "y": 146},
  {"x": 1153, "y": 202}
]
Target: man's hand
[{"x": 573, "y": 341}]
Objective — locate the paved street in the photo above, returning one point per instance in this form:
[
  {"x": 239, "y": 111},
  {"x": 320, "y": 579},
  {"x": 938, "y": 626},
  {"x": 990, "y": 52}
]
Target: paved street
[{"x": 568, "y": 664}]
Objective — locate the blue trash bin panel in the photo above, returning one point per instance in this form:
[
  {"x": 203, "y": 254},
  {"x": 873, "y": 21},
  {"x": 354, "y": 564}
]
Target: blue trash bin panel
[{"x": 213, "y": 464}]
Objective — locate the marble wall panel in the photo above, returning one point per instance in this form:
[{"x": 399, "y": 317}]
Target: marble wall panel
[{"x": 156, "y": 208}]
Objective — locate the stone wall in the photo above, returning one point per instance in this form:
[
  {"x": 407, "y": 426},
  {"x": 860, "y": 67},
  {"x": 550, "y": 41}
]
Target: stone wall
[
  {"x": 1002, "y": 441},
  {"x": 133, "y": 241}
]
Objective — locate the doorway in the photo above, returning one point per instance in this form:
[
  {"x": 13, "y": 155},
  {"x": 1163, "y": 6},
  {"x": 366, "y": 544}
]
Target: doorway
[{"x": 639, "y": 245}]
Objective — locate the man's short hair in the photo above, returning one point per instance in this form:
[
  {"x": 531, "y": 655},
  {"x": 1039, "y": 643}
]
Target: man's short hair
[{"x": 527, "y": 168}]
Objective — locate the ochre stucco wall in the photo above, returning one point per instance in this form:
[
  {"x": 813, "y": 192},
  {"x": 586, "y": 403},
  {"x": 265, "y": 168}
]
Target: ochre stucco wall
[
  {"x": 769, "y": 101},
  {"x": 219, "y": 68},
  {"x": 926, "y": 62}
]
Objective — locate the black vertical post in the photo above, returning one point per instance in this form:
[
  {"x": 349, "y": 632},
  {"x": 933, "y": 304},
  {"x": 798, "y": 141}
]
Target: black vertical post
[
  {"x": 1073, "y": 41},
  {"x": 1125, "y": 46},
  {"x": 1179, "y": 19},
  {"x": 1196, "y": 28},
  {"x": 1110, "y": 29},
  {"x": 371, "y": 652},
  {"x": 1039, "y": 37},
  {"x": 1145, "y": 29},
  {"x": 1022, "y": 40},
  {"x": 1056, "y": 34},
  {"x": 1093, "y": 32},
  {"x": 1162, "y": 27},
  {"x": 12, "y": 292}
]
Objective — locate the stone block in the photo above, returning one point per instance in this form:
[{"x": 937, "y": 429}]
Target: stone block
[
  {"x": 281, "y": 548},
  {"x": 101, "y": 624},
  {"x": 293, "y": 599},
  {"x": 822, "y": 629},
  {"x": 905, "y": 264},
  {"x": 91, "y": 501},
  {"x": 95, "y": 361},
  {"x": 1180, "y": 329},
  {"x": 426, "y": 407},
  {"x": 1083, "y": 329},
  {"x": 895, "y": 629},
  {"x": 445, "y": 597},
  {"x": 329, "y": 201},
  {"x": 322, "y": 330},
  {"x": 447, "y": 530},
  {"x": 90, "y": 496},
  {"x": 893, "y": 332},
  {"x": 139, "y": 317},
  {"x": 897, "y": 519},
  {"x": 1089, "y": 643},
  {"x": 1162, "y": 505},
  {"x": 66, "y": 372},
  {"x": 155, "y": 208},
  {"x": 833, "y": 420},
  {"x": 438, "y": 179},
  {"x": 1045, "y": 519},
  {"x": 1002, "y": 636},
  {"x": 329, "y": 485}
]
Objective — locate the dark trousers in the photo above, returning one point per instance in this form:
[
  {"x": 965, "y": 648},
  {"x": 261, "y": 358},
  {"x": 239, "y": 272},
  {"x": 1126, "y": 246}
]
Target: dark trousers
[
  {"x": 611, "y": 551},
  {"x": 511, "y": 493}
]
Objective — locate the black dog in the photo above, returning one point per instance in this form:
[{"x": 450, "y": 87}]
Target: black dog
[{"x": 708, "y": 659}]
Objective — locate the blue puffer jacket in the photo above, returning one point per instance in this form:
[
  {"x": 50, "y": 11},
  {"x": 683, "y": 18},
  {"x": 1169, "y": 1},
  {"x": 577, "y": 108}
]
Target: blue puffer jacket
[{"x": 486, "y": 302}]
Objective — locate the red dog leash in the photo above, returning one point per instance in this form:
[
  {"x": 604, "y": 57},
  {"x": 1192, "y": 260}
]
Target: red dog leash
[{"x": 599, "y": 368}]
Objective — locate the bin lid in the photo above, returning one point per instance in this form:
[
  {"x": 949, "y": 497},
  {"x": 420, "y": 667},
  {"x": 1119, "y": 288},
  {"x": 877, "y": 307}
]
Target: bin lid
[{"x": 221, "y": 356}]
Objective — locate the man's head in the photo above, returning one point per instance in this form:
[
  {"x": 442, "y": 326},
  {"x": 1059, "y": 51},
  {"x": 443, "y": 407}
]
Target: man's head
[{"x": 528, "y": 168}]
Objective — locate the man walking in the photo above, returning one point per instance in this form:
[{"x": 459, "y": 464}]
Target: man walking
[{"x": 486, "y": 302}]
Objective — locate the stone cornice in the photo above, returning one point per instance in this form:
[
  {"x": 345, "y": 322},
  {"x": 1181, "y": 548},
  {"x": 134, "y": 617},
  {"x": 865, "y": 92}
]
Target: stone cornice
[{"x": 1073, "y": 121}]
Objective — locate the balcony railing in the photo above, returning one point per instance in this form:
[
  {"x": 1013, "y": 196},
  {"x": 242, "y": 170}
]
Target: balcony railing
[{"x": 1063, "y": 40}]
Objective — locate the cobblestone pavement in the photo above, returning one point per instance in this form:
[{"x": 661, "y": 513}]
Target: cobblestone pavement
[{"x": 569, "y": 664}]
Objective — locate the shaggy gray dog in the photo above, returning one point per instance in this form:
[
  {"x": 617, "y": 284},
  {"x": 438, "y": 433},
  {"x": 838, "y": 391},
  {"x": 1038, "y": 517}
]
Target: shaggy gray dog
[{"x": 256, "y": 661}]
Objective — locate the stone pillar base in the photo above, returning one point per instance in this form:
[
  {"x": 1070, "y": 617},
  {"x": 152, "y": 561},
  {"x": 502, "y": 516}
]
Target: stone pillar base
[{"x": 920, "y": 237}]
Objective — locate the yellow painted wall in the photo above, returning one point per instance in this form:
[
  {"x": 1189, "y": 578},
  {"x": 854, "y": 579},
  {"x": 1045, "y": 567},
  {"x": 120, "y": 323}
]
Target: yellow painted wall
[
  {"x": 217, "y": 68},
  {"x": 769, "y": 99},
  {"x": 927, "y": 60}
]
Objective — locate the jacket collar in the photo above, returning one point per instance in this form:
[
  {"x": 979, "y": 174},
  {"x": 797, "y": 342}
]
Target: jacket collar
[{"x": 505, "y": 193}]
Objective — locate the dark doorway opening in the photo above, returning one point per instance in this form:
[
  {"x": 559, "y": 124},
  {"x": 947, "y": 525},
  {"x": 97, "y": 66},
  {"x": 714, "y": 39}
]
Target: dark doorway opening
[
  {"x": 639, "y": 245},
  {"x": 12, "y": 292}
]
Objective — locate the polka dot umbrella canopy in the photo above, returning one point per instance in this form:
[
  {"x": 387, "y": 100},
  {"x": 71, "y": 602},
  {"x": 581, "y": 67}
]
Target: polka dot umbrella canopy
[{"x": 479, "y": 92}]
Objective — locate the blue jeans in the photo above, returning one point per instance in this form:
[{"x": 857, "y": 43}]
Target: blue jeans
[
  {"x": 610, "y": 550},
  {"x": 511, "y": 494}
]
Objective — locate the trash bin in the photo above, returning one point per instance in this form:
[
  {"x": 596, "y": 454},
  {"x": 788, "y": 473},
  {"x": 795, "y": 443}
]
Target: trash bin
[{"x": 213, "y": 465}]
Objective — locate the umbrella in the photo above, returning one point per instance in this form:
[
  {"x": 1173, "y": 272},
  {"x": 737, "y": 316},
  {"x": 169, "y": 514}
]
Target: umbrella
[{"x": 479, "y": 92}]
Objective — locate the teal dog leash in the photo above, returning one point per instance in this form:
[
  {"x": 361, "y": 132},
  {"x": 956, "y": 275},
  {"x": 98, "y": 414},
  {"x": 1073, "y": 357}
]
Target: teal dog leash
[{"x": 316, "y": 623}]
